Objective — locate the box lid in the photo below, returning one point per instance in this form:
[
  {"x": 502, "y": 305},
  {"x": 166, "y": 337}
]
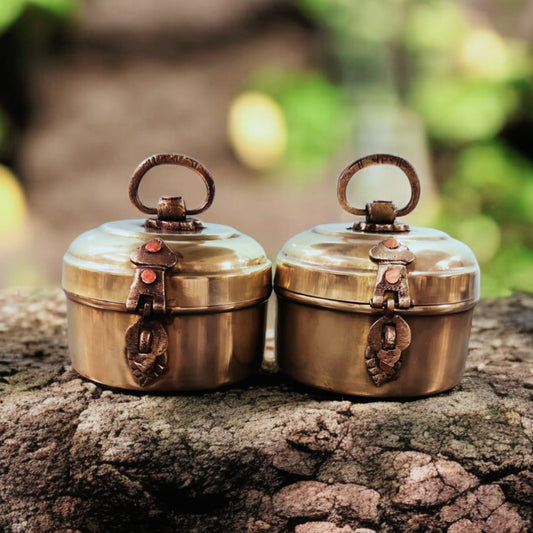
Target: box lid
[
  {"x": 364, "y": 261},
  {"x": 211, "y": 266}
]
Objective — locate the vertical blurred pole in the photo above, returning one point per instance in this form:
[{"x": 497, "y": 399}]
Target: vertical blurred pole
[{"x": 374, "y": 70}]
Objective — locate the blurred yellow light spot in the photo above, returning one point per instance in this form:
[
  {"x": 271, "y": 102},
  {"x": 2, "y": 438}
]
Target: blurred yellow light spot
[
  {"x": 12, "y": 207},
  {"x": 484, "y": 54},
  {"x": 257, "y": 130},
  {"x": 482, "y": 234}
]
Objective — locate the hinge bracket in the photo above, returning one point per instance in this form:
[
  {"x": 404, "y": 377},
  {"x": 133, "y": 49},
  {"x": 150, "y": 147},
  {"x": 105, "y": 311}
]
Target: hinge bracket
[
  {"x": 147, "y": 340},
  {"x": 390, "y": 334}
]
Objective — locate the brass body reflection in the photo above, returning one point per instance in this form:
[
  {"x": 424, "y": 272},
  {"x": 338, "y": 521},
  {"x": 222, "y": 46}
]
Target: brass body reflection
[
  {"x": 325, "y": 348},
  {"x": 206, "y": 350}
]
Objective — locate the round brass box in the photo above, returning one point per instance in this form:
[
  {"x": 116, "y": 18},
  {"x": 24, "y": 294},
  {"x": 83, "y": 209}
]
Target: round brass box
[
  {"x": 375, "y": 309},
  {"x": 166, "y": 304}
]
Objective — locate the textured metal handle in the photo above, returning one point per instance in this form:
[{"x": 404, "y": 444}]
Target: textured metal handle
[
  {"x": 378, "y": 159},
  {"x": 170, "y": 159}
]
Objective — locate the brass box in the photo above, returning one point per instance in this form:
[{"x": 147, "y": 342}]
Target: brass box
[
  {"x": 375, "y": 309},
  {"x": 166, "y": 304}
]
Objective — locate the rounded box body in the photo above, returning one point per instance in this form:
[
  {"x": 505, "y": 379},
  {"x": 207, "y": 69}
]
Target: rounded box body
[
  {"x": 215, "y": 300},
  {"x": 325, "y": 348},
  {"x": 326, "y": 282},
  {"x": 205, "y": 351}
]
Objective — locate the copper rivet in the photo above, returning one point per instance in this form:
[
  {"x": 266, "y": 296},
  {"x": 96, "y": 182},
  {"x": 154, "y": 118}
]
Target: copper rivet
[
  {"x": 392, "y": 275},
  {"x": 148, "y": 276},
  {"x": 391, "y": 243},
  {"x": 153, "y": 246}
]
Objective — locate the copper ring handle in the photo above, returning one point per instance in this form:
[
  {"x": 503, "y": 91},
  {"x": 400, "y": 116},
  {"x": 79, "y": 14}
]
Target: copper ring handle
[
  {"x": 378, "y": 159},
  {"x": 170, "y": 159}
]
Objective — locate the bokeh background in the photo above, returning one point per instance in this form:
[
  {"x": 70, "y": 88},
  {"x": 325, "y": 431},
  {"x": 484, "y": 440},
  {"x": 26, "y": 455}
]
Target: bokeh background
[{"x": 275, "y": 98}]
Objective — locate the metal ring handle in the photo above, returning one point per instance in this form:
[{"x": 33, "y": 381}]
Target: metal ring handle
[
  {"x": 170, "y": 159},
  {"x": 378, "y": 159}
]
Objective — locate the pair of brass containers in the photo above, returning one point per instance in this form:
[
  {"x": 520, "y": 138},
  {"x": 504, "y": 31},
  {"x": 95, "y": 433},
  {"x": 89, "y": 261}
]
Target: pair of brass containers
[{"x": 171, "y": 303}]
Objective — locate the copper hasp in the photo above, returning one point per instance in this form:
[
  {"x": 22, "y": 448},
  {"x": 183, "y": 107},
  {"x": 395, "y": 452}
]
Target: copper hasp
[
  {"x": 390, "y": 335},
  {"x": 147, "y": 340}
]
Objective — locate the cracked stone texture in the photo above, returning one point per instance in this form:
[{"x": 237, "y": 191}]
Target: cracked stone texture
[{"x": 266, "y": 456}]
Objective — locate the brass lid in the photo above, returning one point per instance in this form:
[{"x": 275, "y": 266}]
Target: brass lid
[
  {"x": 217, "y": 266},
  {"x": 333, "y": 262}
]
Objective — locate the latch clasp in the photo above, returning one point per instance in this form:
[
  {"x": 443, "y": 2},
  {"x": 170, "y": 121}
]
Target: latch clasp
[
  {"x": 147, "y": 340},
  {"x": 153, "y": 259},
  {"x": 390, "y": 335},
  {"x": 393, "y": 258}
]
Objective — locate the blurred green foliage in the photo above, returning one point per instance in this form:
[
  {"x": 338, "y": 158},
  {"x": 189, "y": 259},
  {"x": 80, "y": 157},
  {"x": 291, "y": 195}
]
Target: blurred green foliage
[
  {"x": 11, "y": 10},
  {"x": 459, "y": 111},
  {"x": 27, "y": 28},
  {"x": 311, "y": 105},
  {"x": 471, "y": 86},
  {"x": 4, "y": 137},
  {"x": 473, "y": 89}
]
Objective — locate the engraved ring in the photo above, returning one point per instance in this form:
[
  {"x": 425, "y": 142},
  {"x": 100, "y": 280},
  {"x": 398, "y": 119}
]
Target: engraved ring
[
  {"x": 378, "y": 159},
  {"x": 171, "y": 159}
]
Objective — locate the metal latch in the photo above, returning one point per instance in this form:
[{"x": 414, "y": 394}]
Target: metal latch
[
  {"x": 147, "y": 340},
  {"x": 390, "y": 335}
]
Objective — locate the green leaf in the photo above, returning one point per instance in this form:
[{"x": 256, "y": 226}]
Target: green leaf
[
  {"x": 501, "y": 178},
  {"x": 314, "y": 110},
  {"x": 364, "y": 20},
  {"x": 458, "y": 111},
  {"x": 9, "y": 12},
  {"x": 436, "y": 25},
  {"x": 62, "y": 8}
]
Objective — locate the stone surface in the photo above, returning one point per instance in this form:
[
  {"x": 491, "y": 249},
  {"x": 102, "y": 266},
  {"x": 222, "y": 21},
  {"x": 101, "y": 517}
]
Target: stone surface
[{"x": 266, "y": 456}]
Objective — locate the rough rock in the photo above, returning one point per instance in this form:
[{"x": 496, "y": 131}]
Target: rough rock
[{"x": 265, "y": 456}]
